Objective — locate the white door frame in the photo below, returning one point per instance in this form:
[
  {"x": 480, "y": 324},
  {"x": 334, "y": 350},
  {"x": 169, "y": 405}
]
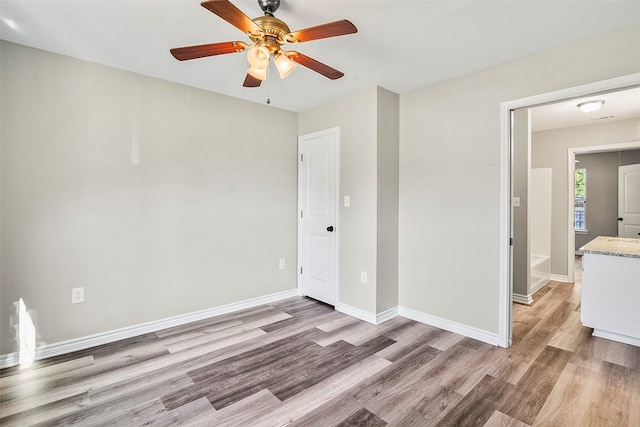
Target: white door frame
[
  {"x": 336, "y": 131},
  {"x": 504, "y": 281}
]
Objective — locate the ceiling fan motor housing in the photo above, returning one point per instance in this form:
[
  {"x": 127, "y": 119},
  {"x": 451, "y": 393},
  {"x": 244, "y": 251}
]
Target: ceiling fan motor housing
[
  {"x": 269, "y": 6},
  {"x": 274, "y": 29}
]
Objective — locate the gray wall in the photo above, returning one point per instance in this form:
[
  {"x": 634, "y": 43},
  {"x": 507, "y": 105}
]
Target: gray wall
[
  {"x": 388, "y": 187},
  {"x": 356, "y": 116},
  {"x": 520, "y": 182},
  {"x": 368, "y": 124},
  {"x": 550, "y": 149},
  {"x": 602, "y": 192},
  {"x": 450, "y": 173},
  {"x": 213, "y": 192},
  {"x": 199, "y": 222}
]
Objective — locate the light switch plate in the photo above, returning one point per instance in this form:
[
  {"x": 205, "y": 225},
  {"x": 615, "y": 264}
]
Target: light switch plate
[{"x": 347, "y": 201}]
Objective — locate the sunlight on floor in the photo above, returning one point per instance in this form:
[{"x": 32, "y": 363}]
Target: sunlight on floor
[{"x": 25, "y": 334}]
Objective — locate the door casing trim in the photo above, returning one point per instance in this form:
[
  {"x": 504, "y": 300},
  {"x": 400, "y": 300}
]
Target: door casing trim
[{"x": 504, "y": 280}]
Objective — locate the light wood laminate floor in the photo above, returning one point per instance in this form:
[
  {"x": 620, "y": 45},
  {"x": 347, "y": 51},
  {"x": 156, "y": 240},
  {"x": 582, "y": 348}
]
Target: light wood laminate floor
[{"x": 299, "y": 362}]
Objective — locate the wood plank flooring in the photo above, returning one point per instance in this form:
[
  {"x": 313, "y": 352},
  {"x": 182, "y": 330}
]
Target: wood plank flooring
[{"x": 298, "y": 362}]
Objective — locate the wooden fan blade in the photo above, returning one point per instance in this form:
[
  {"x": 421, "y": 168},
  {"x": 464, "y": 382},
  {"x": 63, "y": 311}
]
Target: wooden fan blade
[
  {"x": 332, "y": 29},
  {"x": 251, "y": 81},
  {"x": 234, "y": 16},
  {"x": 314, "y": 65},
  {"x": 203, "y": 50}
]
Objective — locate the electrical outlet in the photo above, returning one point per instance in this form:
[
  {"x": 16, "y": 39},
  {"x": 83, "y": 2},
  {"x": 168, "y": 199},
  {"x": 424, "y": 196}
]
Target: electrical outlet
[
  {"x": 77, "y": 295},
  {"x": 281, "y": 264},
  {"x": 363, "y": 277}
]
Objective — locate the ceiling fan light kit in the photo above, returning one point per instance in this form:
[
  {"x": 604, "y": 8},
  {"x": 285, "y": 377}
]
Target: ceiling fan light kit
[
  {"x": 268, "y": 34},
  {"x": 258, "y": 56},
  {"x": 258, "y": 73},
  {"x": 284, "y": 65}
]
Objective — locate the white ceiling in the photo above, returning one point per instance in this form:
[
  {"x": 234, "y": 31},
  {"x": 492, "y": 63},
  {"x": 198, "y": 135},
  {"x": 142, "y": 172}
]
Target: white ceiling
[
  {"x": 619, "y": 105},
  {"x": 401, "y": 45}
]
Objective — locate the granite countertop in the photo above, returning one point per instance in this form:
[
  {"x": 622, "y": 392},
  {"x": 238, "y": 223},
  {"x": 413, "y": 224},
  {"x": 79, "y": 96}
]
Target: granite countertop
[{"x": 616, "y": 246}]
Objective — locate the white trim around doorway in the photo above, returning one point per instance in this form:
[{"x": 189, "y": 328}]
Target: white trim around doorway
[{"x": 504, "y": 277}]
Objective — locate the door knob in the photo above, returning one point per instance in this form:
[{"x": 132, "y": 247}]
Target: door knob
[
  {"x": 619, "y": 219},
  {"x": 330, "y": 228}
]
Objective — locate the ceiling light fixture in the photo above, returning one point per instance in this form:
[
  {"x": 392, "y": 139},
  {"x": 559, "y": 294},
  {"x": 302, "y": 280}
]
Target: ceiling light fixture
[
  {"x": 258, "y": 56},
  {"x": 258, "y": 73},
  {"x": 285, "y": 65},
  {"x": 590, "y": 106},
  {"x": 268, "y": 34}
]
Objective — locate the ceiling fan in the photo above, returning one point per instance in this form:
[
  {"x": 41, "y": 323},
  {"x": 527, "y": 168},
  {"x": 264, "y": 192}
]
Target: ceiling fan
[{"x": 268, "y": 34}]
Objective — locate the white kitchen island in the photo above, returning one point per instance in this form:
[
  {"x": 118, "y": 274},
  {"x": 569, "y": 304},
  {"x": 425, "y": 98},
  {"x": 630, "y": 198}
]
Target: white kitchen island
[{"x": 611, "y": 288}]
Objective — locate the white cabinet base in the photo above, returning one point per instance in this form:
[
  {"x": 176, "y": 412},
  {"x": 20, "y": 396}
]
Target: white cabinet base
[{"x": 611, "y": 297}]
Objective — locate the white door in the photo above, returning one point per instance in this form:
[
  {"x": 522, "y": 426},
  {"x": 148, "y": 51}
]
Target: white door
[
  {"x": 629, "y": 201},
  {"x": 317, "y": 215}
]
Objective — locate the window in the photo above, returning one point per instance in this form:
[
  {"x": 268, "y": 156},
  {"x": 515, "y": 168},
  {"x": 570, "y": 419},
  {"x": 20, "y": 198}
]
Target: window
[{"x": 580, "y": 195}]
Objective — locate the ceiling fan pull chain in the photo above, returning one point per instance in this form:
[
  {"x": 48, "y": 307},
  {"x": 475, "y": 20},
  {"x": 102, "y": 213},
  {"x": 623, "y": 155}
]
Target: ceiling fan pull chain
[{"x": 268, "y": 87}]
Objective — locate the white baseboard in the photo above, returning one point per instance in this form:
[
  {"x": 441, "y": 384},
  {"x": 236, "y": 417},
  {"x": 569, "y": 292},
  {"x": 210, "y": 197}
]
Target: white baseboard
[
  {"x": 386, "y": 315},
  {"x": 356, "y": 312},
  {"x": 56, "y": 349},
  {"x": 539, "y": 285},
  {"x": 438, "y": 322},
  {"x": 448, "y": 325},
  {"x": 522, "y": 299},
  {"x": 528, "y": 299},
  {"x": 376, "y": 319},
  {"x": 559, "y": 278}
]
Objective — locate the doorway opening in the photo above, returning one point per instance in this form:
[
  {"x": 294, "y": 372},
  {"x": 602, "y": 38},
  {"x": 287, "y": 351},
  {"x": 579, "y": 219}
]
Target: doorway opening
[
  {"x": 577, "y": 151},
  {"x": 506, "y": 174}
]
